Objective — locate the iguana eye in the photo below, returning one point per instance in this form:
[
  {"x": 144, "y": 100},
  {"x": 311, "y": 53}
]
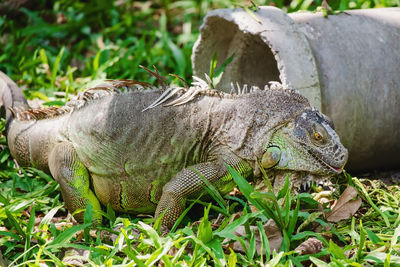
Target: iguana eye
[{"x": 317, "y": 136}]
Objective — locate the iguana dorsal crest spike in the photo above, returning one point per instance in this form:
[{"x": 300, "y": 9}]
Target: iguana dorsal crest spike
[
  {"x": 162, "y": 82},
  {"x": 179, "y": 95},
  {"x": 181, "y": 79},
  {"x": 111, "y": 87},
  {"x": 199, "y": 87}
]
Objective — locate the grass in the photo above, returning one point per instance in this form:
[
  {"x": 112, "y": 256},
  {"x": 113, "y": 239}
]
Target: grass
[{"x": 53, "y": 49}]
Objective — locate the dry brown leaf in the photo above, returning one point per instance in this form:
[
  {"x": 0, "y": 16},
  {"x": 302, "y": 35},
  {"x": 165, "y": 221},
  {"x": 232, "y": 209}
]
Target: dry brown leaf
[
  {"x": 76, "y": 257},
  {"x": 310, "y": 246},
  {"x": 271, "y": 230},
  {"x": 345, "y": 207}
]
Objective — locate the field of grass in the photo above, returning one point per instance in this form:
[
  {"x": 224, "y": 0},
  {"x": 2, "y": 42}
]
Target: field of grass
[{"x": 53, "y": 48}]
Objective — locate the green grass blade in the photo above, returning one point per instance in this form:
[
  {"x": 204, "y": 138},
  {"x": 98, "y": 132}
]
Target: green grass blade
[
  {"x": 252, "y": 15},
  {"x": 111, "y": 214},
  {"x": 265, "y": 177},
  {"x": 361, "y": 244},
  {"x": 285, "y": 241},
  {"x": 150, "y": 232},
  {"x": 62, "y": 239},
  {"x": 43, "y": 57},
  {"x": 182, "y": 216},
  {"x": 336, "y": 251},
  {"x": 252, "y": 246},
  {"x": 22, "y": 256},
  {"x": 178, "y": 57},
  {"x": 10, "y": 234},
  {"x": 285, "y": 189},
  {"x": 198, "y": 242},
  {"x": 217, "y": 75},
  {"x": 373, "y": 237},
  {"x": 204, "y": 232},
  {"x": 294, "y": 218},
  {"x": 87, "y": 219},
  {"x": 276, "y": 258},
  {"x": 395, "y": 238},
  {"x": 228, "y": 231},
  {"x": 332, "y": 228},
  {"x": 4, "y": 200},
  {"x": 216, "y": 246},
  {"x": 311, "y": 218},
  {"x": 288, "y": 201},
  {"x": 245, "y": 188},
  {"x": 96, "y": 64},
  {"x": 213, "y": 65},
  {"x": 159, "y": 253},
  {"x": 54, "y": 70},
  {"x": 264, "y": 241},
  {"x": 29, "y": 229},
  {"x": 221, "y": 68},
  {"x": 387, "y": 261},
  {"x": 132, "y": 254},
  {"x": 272, "y": 209},
  {"x": 318, "y": 262},
  {"x": 232, "y": 259},
  {"x": 180, "y": 252},
  {"x": 211, "y": 190},
  {"x": 15, "y": 223},
  {"x": 56, "y": 260},
  {"x": 361, "y": 187}
]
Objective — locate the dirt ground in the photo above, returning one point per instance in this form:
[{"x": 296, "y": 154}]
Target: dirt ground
[{"x": 389, "y": 177}]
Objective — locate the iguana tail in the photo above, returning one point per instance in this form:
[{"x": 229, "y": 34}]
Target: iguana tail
[{"x": 10, "y": 97}]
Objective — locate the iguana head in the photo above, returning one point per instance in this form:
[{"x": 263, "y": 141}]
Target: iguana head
[{"x": 306, "y": 144}]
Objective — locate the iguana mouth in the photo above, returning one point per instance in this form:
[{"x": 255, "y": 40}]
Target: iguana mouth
[
  {"x": 300, "y": 181},
  {"x": 324, "y": 164},
  {"x": 306, "y": 185}
]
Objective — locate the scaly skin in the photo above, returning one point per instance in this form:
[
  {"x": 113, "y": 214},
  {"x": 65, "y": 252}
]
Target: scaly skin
[{"x": 108, "y": 151}]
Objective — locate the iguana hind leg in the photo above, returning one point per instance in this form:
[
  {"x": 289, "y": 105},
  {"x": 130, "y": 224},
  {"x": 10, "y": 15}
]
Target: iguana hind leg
[
  {"x": 74, "y": 181},
  {"x": 188, "y": 183}
]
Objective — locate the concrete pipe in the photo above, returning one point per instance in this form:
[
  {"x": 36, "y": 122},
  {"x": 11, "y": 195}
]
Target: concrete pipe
[{"x": 347, "y": 65}]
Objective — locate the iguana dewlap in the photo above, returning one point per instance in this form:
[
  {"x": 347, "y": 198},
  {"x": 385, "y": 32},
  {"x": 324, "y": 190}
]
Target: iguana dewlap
[{"x": 109, "y": 147}]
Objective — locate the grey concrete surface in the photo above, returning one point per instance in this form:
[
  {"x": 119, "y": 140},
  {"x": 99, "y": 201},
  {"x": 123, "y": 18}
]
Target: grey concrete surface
[{"x": 347, "y": 65}]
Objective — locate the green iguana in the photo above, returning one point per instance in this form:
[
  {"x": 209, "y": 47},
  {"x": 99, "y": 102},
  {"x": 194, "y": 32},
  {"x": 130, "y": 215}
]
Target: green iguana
[{"x": 144, "y": 150}]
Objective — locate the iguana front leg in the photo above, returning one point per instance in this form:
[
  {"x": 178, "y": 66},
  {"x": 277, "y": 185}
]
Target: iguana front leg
[
  {"x": 187, "y": 182},
  {"x": 74, "y": 181}
]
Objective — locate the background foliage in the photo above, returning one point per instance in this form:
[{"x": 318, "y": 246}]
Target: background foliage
[
  {"x": 53, "y": 48},
  {"x": 50, "y": 46}
]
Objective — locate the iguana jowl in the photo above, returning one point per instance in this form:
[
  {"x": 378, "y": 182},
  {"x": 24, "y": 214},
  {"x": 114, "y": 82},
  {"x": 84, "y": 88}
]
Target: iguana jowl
[{"x": 107, "y": 148}]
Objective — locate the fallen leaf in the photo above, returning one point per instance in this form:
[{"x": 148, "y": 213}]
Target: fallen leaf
[
  {"x": 310, "y": 246},
  {"x": 271, "y": 230},
  {"x": 345, "y": 207},
  {"x": 76, "y": 257}
]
